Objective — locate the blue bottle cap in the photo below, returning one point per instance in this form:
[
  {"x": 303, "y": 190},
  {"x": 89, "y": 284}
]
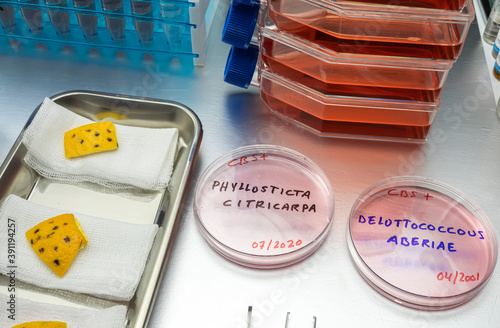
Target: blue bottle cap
[
  {"x": 247, "y": 2},
  {"x": 240, "y": 24},
  {"x": 240, "y": 66}
]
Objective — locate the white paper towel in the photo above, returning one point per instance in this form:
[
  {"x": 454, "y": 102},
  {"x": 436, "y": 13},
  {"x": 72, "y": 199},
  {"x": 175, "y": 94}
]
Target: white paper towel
[
  {"x": 27, "y": 310},
  {"x": 144, "y": 158},
  {"x": 110, "y": 266}
]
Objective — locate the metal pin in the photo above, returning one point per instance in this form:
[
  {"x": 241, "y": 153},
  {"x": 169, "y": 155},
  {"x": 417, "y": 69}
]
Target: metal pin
[
  {"x": 249, "y": 316},
  {"x": 314, "y": 322},
  {"x": 286, "y": 321}
]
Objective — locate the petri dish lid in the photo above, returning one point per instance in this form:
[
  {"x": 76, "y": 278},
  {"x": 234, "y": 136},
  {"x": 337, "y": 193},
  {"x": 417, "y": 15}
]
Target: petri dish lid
[
  {"x": 421, "y": 243},
  {"x": 264, "y": 206}
]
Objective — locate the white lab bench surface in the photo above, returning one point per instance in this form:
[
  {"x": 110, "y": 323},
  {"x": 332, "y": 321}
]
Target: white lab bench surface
[{"x": 202, "y": 289}]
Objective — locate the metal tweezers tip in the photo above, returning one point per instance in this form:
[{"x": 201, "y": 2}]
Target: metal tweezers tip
[{"x": 249, "y": 316}]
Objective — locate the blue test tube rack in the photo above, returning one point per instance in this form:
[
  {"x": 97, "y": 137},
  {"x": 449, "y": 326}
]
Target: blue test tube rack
[{"x": 86, "y": 30}]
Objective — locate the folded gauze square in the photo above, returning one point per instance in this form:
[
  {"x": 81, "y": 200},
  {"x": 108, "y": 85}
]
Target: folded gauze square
[
  {"x": 110, "y": 266},
  {"x": 26, "y": 311},
  {"x": 144, "y": 158}
]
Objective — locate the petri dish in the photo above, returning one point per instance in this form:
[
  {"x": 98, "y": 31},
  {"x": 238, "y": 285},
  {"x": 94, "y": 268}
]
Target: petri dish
[
  {"x": 421, "y": 243},
  {"x": 264, "y": 206}
]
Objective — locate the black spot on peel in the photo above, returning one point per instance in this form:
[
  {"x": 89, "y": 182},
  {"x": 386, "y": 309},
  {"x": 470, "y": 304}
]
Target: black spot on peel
[
  {"x": 31, "y": 241},
  {"x": 55, "y": 228},
  {"x": 56, "y": 262},
  {"x": 41, "y": 250},
  {"x": 66, "y": 239},
  {"x": 55, "y": 249},
  {"x": 37, "y": 230}
]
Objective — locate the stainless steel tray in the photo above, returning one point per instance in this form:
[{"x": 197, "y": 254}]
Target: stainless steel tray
[{"x": 132, "y": 205}]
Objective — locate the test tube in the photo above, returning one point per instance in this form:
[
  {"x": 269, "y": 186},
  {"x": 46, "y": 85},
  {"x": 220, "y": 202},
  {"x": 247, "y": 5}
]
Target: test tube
[
  {"x": 171, "y": 12},
  {"x": 32, "y": 17},
  {"x": 87, "y": 22},
  {"x": 7, "y": 17},
  {"x": 116, "y": 26},
  {"x": 59, "y": 19},
  {"x": 143, "y": 9},
  {"x": 493, "y": 24}
]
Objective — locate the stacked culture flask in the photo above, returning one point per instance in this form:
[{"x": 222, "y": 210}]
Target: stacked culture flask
[{"x": 348, "y": 69}]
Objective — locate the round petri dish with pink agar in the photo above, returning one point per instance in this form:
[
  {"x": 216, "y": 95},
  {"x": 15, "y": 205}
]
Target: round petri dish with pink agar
[
  {"x": 421, "y": 243},
  {"x": 264, "y": 206}
]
